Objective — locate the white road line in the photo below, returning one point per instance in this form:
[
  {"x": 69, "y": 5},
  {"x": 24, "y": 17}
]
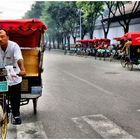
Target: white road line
[
  {"x": 89, "y": 83},
  {"x": 11, "y": 132},
  {"x": 80, "y": 123},
  {"x": 105, "y": 127},
  {"x": 33, "y": 130},
  {"x": 85, "y": 128}
]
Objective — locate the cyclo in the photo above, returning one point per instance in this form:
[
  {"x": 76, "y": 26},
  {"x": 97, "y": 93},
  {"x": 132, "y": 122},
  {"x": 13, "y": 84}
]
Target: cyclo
[
  {"x": 133, "y": 57},
  {"x": 29, "y": 34}
]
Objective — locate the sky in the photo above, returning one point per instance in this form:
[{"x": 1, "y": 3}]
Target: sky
[{"x": 14, "y": 9}]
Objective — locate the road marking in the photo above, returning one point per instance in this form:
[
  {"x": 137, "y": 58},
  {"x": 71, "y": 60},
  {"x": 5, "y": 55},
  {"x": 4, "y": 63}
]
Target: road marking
[
  {"x": 11, "y": 132},
  {"x": 103, "y": 126},
  {"x": 33, "y": 130},
  {"x": 89, "y": 83},
  {"x": 81, "y": 124}
]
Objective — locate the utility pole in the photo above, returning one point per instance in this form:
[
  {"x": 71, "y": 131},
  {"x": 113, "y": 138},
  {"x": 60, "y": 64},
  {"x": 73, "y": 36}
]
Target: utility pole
[{"x": 80, "y": 24}]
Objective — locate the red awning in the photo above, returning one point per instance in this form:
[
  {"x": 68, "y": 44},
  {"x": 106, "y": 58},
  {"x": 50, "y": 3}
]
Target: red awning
[{"x": 26, "y": 32}]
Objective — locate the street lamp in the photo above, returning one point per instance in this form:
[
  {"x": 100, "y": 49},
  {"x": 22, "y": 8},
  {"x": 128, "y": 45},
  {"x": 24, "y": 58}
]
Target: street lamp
[
  {"x": 80, "y": 25},
  {"x": 80, "y": 12}
]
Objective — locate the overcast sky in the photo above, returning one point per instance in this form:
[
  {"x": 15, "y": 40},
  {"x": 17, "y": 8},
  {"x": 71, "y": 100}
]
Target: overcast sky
[{"x": 14, "y": 9}]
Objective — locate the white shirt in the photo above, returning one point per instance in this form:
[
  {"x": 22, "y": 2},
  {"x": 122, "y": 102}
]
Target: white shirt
[{"x": 10, "y": 57}]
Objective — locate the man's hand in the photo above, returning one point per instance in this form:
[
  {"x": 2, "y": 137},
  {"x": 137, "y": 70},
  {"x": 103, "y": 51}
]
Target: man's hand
[
  {"x": 22, "y": 73},
  {"x": 22, "y": 68}
]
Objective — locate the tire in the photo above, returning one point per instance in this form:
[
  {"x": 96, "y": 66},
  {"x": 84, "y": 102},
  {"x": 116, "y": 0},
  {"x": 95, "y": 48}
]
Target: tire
[
  {"x": 130, "y": 66},
  {"x": 111, "y": 57},
  {"x": 3, "y": 127},
  {"x": 123, "y": 63}
]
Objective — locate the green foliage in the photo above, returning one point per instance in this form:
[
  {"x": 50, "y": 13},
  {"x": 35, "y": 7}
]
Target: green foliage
[
  {"x": 60, "y": 17},
  {"x": 90, "y": 10}
]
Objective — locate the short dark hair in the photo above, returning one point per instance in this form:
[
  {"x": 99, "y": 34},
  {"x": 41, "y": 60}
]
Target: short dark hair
[{"x": 7, "y": 33}]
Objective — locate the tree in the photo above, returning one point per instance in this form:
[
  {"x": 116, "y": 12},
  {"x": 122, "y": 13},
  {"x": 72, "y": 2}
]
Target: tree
[
  {"x": 90, "y": 11},
  {"x": 124, "y": 16},
  {"x": 106, "y": 14},
  {"x": 64, "y": 16}
]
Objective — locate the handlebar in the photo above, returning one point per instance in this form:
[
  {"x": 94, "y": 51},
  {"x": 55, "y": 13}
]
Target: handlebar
[{"x": 3, "y": 72}]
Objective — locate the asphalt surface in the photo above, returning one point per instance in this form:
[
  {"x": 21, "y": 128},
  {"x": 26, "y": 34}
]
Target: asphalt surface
[{"x": 83, "y": 98}]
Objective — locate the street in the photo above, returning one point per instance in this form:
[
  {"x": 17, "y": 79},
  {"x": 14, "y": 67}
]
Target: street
[{"x": 83, "y": 98}]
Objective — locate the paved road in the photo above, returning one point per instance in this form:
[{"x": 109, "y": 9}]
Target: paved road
[{"x": 83, "y": 98}]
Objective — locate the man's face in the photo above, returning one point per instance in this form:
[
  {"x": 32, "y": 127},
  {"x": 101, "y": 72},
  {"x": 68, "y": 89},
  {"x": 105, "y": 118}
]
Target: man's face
[{"x": 3, "y": 38}]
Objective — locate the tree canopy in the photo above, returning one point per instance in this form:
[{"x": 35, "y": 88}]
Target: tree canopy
[{"x": 63, "y": 18}]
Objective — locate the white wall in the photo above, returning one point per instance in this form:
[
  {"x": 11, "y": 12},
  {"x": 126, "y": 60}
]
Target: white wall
[
  {"x": 116, "y": 32},
  {"x": 113, "y": 32}
]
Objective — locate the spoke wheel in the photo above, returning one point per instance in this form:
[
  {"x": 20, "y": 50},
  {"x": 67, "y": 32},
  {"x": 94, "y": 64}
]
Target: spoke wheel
[
  {"x": 130, "y": 66},
  {"x": 123, "y": 63}
]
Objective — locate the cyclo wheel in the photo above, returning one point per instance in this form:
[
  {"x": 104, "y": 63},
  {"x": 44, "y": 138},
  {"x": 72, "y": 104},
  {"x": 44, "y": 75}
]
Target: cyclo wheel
[
  {"x": 3, "y": 127},
  {"x": 130, "y": 66},
  {"x": 4, "y": 117},
  {"x": 123, "y": 63}
]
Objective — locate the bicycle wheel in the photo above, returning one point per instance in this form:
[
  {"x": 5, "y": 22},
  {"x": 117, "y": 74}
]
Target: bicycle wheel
[
  {"x": 123, "y": 63},
  {"x": 130, "y": 66},
  {"x": 3, "y": 127}
]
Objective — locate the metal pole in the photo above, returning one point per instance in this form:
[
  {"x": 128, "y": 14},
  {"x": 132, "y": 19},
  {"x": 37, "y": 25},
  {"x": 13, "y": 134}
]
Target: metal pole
[{"x": 80, "y": 25}]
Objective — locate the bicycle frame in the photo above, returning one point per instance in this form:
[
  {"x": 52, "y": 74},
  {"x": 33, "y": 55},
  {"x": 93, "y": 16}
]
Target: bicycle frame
[{"x": 4, "y": 103}]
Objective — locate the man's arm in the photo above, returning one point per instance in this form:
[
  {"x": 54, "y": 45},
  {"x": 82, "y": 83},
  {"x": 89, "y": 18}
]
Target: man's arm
[
  {"x": 124, "y": 47},
  {"x": 20, "y": 63}
]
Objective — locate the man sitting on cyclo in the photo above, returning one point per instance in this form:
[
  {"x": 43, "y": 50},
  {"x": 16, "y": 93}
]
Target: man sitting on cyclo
[
  {"x": 10, "y": 54},
  {"x": 125, "y": 49}
]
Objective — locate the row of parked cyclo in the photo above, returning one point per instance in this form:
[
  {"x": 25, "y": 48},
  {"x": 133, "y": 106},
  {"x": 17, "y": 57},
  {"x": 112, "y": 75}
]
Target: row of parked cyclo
[{"x": 101, "y": 48}]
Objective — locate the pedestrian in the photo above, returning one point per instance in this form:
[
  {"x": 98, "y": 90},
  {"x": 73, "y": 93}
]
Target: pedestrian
[{"x": 10, "y": 54}]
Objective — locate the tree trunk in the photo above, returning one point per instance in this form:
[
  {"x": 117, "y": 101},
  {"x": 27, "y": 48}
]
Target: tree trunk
[
  {"x": 105, "y": 34},
  {"x": 74, "y": 39},
  {"x": 126, "y": 28},
  {"x": 91, "y": 34},
  {"x": 68, "y": 39},
  {"x": 53, "y": 43}
]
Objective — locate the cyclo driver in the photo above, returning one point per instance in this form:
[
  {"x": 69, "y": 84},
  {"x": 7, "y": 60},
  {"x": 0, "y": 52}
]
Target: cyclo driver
[{"x": 10, "y": 54}]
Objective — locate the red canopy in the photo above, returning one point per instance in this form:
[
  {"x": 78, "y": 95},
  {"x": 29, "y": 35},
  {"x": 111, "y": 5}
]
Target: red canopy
[
  {"x": 26, "y": 32},
  {"x": 83, "y": 41},
  {"x": 93, "y": 40},
  {"x": 135, "y": 36},
  {"x": 119, "y": 38},
  {"x": 88, "y": 40},
  {"x": 105, "y": 39}
]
